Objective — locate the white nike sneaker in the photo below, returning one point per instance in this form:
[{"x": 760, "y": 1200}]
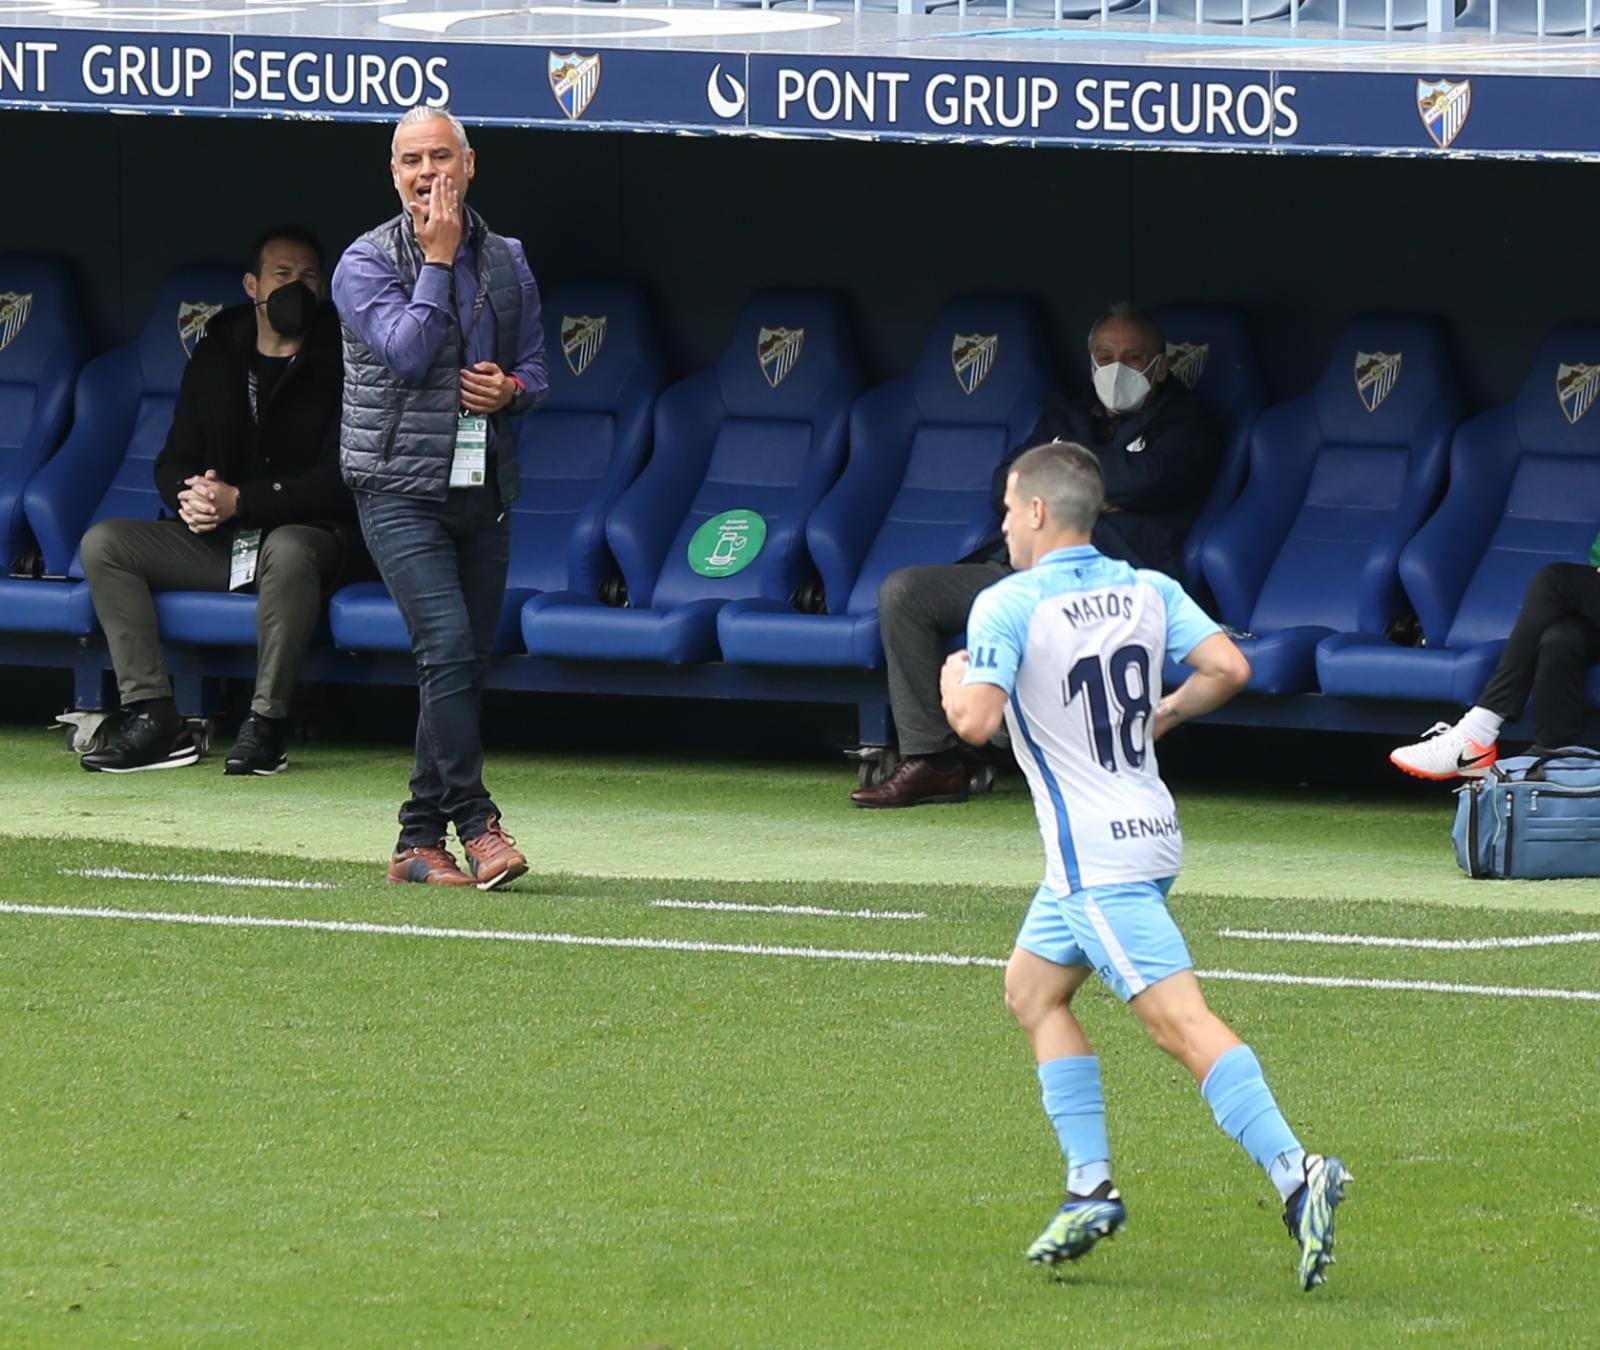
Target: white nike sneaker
[{"x": 1445, "y": 751}]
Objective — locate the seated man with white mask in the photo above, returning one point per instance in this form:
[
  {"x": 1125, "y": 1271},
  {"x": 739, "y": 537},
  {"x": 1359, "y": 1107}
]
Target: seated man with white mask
[{"x": 1159, "y": 452}]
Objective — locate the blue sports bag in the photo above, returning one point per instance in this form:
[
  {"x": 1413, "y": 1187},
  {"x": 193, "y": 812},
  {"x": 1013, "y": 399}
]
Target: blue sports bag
[{"x": 1534, "y": 816}]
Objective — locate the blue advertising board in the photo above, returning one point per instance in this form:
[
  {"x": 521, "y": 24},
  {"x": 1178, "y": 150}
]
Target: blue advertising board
[{"x": 764, "y": 72}]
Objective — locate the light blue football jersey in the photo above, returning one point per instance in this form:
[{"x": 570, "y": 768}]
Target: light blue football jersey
[{"x": 1077, "y": 642}]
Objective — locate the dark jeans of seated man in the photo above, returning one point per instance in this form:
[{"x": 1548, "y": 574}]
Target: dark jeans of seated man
[
  {"x": 1554, "y": 641},
  {"x": 125, "y": 560},
  {"x": 444, "y": 563}
]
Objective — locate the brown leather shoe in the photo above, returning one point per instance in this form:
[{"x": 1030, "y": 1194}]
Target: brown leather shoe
[
  {"x": 492, "y": 857},
  {"x": 915, "y": 783},
  {"x": 431, "y": 866}
]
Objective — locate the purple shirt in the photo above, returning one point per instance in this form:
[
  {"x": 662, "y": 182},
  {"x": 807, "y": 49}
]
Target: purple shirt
[{"x": 405, "y": 331}]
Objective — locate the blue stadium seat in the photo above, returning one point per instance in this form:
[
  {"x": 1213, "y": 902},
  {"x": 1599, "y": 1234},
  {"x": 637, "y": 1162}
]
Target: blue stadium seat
[
  {"x": 1562, "y": 18},
  {"x": 1210, "y": 349},
  {"x": 923, "y": 449},
  {"x": 576, "y": 454},
  {"x": 122, "y": 411},
  {"x": 42, "y": 346},
  {"x": 758, "y": 439},
  {"x": 1339, "y": 480},
  {"x": 1524, "y": 491}
]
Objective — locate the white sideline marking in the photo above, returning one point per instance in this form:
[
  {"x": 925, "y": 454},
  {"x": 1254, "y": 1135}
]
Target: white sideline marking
[
  {"x": 199, "y": 878},
  {"x": 729, "y": 907},
  {"x": 501, "y": 935},
  {"x": 1429, "y": 944},
  {"x": 1419, "y": 986},
  {"x": 753, "y": 949}
]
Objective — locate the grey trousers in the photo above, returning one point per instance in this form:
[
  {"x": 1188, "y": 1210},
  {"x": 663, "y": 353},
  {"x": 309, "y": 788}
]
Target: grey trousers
[
  {"x": 919, "y": 610},
  {"x": 125, "y": 560}
]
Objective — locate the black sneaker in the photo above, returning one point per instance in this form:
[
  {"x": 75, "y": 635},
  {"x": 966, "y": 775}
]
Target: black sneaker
[
  {"x": 259, "y": 748},
  {"x": 147, "y": 742}
]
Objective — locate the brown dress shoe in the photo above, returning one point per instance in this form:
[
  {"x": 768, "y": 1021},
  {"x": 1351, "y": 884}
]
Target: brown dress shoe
[
  {"x": 492, "y": 857},
  {"x": 915, "y": 783},
  {"x": 431, "y": 866}
]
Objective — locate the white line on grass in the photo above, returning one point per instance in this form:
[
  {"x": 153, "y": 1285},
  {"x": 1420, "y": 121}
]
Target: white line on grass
[
  {"x": 501, "y": 935},
  {"x": 1418, "y": 986},
  {"x": 752, "y": 949},
  {"x": 1428, "y": 944},
  {"x": 199, "y": 879},
  {"x": 724, "y": 906}
]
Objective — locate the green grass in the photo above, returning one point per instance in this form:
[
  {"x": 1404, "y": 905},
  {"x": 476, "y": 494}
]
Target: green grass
[{"x": 281, "y": 1137}]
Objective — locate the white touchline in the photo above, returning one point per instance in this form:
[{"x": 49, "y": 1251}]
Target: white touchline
[
  {"x": 1428, "y": 944},
  {"x": 1418, "y": 986},
  {"x": 501, "y": 935},
  {"x": 199, "y": 878},
  {"x": 725, "y": 906},
  {"x": 749, "y": 949}
]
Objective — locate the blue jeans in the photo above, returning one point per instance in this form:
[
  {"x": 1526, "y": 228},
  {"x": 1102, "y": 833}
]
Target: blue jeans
[{"x": 445, "y": 565}]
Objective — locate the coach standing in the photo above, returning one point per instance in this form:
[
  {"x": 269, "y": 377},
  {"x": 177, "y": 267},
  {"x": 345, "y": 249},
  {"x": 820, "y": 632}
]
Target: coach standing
[{"x": 442, "y": 345}]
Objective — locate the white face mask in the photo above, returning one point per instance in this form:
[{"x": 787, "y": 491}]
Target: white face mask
[{"x": 1120, "y": 388}]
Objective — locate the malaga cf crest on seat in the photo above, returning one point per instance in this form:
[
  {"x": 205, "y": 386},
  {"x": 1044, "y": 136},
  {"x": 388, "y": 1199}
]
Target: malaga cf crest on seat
[
  {"x": 193, "y": 316},
  {"x": 14, "y": 311},
  {"x": 1377, "y": 373},
  {"x": 1443, "y": 107},
  {"x": 973, "y": 356},
  {"x": 574, "y": 80},
  {"x": 778, "y": 350},
  {"x": 1187, "y": 360},
  {"x": 1575, "y": 387},
  {"x": 581, "y": 340}
]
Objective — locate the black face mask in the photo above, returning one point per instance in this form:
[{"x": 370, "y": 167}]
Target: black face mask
[{"x": 290, "y": 309}]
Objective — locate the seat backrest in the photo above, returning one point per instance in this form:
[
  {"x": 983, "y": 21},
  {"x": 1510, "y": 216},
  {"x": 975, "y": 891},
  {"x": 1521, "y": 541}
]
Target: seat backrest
[
  {"x": 761, "y": 436},
  {"x": 1540, "y": 459},
  {"x": 121, "y": 413},
  {"x": 924, "y": 448},
  {"x": 1339, "y": 479},
  {"x": 1210, "y": 349},
  {"x": 43, "y": 343},
  {"x": 588, "y": 441},
  {"x": 188, "y": 301}
]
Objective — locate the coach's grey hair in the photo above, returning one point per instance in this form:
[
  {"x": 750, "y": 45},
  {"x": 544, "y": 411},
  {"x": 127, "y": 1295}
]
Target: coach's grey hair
[
  {"x": 1131, "y": 313},
  {"x": 1067, "y": 478},
  {"x": 423, "y": 113}
]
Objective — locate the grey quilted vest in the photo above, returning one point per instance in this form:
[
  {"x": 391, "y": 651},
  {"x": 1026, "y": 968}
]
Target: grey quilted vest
[{"x": 397, "y": 435}]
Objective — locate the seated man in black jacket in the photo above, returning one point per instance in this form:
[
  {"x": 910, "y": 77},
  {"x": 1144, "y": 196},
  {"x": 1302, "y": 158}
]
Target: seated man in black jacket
[
  {"x": 1159, "y": 453},
  {"x": 251, "y": 471}
]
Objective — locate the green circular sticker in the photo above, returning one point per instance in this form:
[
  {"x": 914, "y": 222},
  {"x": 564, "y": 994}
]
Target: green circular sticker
[{"x": 727, "y": 543}]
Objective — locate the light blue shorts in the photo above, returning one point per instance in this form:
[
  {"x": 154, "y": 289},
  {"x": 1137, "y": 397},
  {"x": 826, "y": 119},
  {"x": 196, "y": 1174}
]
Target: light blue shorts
[{"x": 1123, "y": 932}]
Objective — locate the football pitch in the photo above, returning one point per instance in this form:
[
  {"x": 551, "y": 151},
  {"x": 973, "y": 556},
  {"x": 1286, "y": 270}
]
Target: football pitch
[{"x": 730, "y": 1067}]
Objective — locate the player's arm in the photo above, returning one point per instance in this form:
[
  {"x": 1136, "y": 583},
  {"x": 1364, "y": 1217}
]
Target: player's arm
[
  {"x": 974, "y": 711},
  {"x": 1221, "y": 670}
]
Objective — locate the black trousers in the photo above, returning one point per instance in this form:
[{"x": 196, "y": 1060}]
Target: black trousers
[{"x": 1554, "y": 641}]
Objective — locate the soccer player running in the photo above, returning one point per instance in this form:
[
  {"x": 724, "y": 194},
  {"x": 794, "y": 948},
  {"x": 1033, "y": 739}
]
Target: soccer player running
[{"x": 1069, "y": 650}]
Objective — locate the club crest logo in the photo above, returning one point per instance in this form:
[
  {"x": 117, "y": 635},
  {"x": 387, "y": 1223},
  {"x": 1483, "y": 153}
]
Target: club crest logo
[
  {"x": 574, "y": 80},
  {"x": 1376, "y": 376},
  {"x": 193, "y": 316},
  {"x": 1576, "y": 386},
  {"x": 778, "y": 350},
  {"x": 973, "y": 356},
  {"x": 14, "y": 311},
  {"x": 581, "y": 340},
  {"x": 1443, "y": 107},
  {"x": 1187, "y": 360}
]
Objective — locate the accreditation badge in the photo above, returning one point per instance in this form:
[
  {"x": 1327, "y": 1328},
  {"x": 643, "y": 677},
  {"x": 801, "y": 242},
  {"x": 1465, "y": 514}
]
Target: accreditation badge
[{"x": 469, "y": 466}]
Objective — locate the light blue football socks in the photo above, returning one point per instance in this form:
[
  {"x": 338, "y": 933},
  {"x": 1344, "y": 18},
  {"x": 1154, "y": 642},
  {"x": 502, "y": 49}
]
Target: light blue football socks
[
  {"x": 1077, "y": 1108},
  {"x": 1246, "y": 1110}
]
